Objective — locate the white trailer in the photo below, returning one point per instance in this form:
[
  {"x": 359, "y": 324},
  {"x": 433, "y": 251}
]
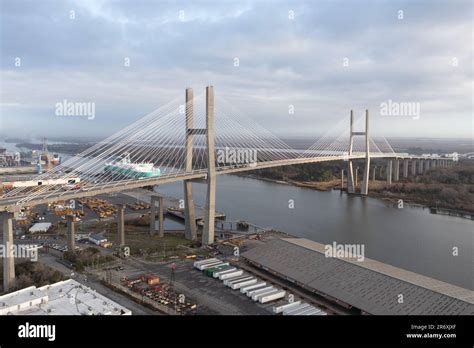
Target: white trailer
[
  {"x": 288, "y": 306},
  {"x": 231, "y": 275},
  {"x": 257, "y": 297},
  {"x": 235, "y": 281},
  {"x": 212, "y": 265},
  {"x": 238, "y": 285},
  {"x": 244, "y": 290},
  {"x": 253, "y": 292},
  {"x": 203, "y": 262},
  {"x": 217, "y": 274},
  {"x": 294, "y": 309},
  {"x": 216, "y": 262},
  {"x": 236, "y": 278},
  {"x": 315, "y": 311},
  {"x": 306, "y": 310},
  {"x": 272, "y": 297},
  {"x": 300, "y": 310}
]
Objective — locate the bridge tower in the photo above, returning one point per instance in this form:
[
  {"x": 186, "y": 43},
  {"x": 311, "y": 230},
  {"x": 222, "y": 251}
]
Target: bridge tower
[
  {"x": 209, "y": 218},
  {"x": 350, "y": 169},
  {"x": 209, "y": 210},
  {"x": 350, "y": 173},
  {"x": 365, "y": 183},
  {"x": 189, "y": 211}
]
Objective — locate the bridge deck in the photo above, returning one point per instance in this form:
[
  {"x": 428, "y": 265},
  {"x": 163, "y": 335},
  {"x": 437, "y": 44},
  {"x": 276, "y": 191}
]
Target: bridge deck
[{"x": 14, "y": 203}]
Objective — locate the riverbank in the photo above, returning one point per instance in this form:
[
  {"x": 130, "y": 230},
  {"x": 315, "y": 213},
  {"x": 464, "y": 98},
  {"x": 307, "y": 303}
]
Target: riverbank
[
  {"x": 316, "y": 185},
  {"x": 447, "y": 199}
]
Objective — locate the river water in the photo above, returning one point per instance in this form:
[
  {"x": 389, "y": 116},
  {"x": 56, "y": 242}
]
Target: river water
[{"x": 410, "y": 238}]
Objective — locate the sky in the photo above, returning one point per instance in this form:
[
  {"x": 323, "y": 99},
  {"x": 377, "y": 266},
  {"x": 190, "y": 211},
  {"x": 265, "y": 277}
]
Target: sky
[{"x": 302, "y": 65}]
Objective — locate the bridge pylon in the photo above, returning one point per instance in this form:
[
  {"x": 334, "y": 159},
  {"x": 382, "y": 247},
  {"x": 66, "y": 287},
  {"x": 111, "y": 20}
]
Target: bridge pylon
[
  {"x": 209, "y": 217},
  {"x": 189, "y": 209},
  {"x": 351, "y": 183}
]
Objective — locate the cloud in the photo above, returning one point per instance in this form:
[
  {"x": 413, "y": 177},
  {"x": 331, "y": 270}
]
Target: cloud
[{"x": 424, "y": 57}]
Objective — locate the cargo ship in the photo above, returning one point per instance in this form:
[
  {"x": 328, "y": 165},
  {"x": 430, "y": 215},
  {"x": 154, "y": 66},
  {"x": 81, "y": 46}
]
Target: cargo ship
[{"x": 126, "y": 167}]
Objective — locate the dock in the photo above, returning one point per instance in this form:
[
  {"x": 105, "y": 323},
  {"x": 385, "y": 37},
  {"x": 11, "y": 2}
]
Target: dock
[{"x": 171, "y": 204}]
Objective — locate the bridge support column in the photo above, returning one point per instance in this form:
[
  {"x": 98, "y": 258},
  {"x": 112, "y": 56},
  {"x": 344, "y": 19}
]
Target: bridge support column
[
  {"x": 356, "y": 179},
  {"x": 71, "y": 234},
  {"x": 189, "y": 209},
  {"x": 381, "y": 172},
  {"x": 350, "y": 170},
  {"x": 342, "y": 179},
  {"x": 427, "y": 165},
  {"x": 373, "y": 173},
  {"x": 413, "y": 167},
  {"x": 420, "y": 166},
  {"x": 396, "y": 170},
  {"x": 365, "y": 177},
  {"x": 161, "y": 231},
  {"x": 8, "y": 258},
  {"x": 405, "y": 168},
  {"x": 121, "y": 225},
  {"x": 209, "y": 217},
  {"x": 389, "y": 172}
]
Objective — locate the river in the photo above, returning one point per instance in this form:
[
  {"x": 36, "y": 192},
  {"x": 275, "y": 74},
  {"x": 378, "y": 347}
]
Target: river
[{"x": 410, "y": 238}]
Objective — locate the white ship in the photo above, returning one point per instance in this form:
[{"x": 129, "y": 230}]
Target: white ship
[{"x": 125, "y": 167}]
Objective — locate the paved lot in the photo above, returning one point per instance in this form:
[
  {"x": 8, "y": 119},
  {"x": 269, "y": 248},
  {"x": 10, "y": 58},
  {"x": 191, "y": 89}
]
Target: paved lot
[{"x": 210, "y": 294}]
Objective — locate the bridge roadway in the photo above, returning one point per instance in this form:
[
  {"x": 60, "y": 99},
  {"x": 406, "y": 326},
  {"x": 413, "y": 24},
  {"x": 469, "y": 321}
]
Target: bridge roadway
[{"x": 13, "y": 204}]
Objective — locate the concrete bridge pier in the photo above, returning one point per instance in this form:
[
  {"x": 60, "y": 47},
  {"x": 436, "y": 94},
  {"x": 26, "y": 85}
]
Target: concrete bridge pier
[
  {"x": 8, "y": 259},
  {"x": 350, "y": 169},
  {"x": 420, "y": 167},
  {"x": 189, "y": 209},
  {"x": 121, "y": 224},
  {"x": 161, "y": 231},
  {"x": 389, "y": 172},
  {"x": 381, "y": 172},
  {"x": 364, "y": 190},
  {"x": 350, "y": 177},
  {"x": 405, "y": 168},
  {"x": 427, "y": 165},
  {"x": 434, "y": 163},
  {"x": 210, "y": 208},
  {"x": 342, "y": 179},
  {"x": 396, "y": 170},
  {"x": 356, "y": 180},
  {"x": 413, "y": 168},
  {"x": 71, "y": 234},
  {"x": 373, "y": 173}
]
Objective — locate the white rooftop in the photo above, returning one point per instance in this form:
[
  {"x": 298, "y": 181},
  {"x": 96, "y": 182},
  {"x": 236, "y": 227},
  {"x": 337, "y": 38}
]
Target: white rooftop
[
  {"x": 40, "y": 227},
  {"x": 67, "y": 297}
]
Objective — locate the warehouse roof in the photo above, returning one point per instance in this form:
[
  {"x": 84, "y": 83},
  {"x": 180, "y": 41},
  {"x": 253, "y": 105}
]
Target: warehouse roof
[
  {"x": 67, "y": 297},
  {"x": 40, "y": 227},
  {"x": 369, "y": 285}
]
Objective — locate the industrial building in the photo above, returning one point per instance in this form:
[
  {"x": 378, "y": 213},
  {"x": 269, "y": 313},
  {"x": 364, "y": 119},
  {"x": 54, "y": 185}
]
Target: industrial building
[
  {"x": 40, "y": 227},
  {"x": 370, "y": 286},
  {"x": 67, "y": 297},
  {"x": 97, "y": 239}
]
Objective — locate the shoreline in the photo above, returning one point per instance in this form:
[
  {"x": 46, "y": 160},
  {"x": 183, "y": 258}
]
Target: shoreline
[{"x": 335, "y": 185}]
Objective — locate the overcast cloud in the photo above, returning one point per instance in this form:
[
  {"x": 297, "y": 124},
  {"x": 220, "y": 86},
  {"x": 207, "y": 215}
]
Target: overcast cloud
[{"x": 426, "y": 57}]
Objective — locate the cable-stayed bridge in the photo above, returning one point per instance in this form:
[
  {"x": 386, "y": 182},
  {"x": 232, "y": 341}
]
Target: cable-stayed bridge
[{"x": 194, "y": 140}]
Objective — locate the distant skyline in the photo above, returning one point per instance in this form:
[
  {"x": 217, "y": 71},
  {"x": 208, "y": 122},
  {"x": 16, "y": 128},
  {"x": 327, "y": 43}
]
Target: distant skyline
[{"x": 317, "y": 58}]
